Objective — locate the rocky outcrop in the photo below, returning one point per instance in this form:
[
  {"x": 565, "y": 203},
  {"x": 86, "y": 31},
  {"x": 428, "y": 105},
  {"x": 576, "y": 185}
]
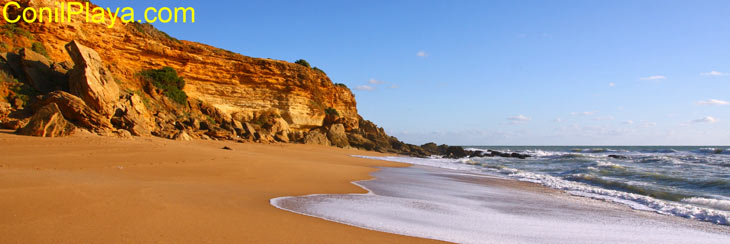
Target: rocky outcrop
[
  {"x": 182, "y": 136},
  {"x": 75, "y": 110},
  {"x": 132, "y": 115},
  {"x": 455, "y": 152},
  {"x": 280, "y": 130},
  {"x": 316, "y": 137},
  {"x": 47, "y": 122},
  {"x": 250, "y": 131},
  {"x": 358, "y": 141},
  {"x": 91, "y": 81},
  {"x": 336, "y": 135},
  {"x": 39, "y": 73}
]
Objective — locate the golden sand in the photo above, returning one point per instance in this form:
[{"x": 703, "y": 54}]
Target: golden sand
[{"x": 91, "y": 189}]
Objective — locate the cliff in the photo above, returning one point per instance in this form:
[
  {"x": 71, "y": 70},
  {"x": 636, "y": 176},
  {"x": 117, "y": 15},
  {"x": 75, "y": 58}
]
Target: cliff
[
  {"x": 235, "y": 84},
  {"x": 134, "y": 80}
]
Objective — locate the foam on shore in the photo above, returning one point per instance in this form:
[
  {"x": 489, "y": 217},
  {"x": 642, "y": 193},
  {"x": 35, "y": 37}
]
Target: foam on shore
[
  {"x": 635, "y": 201},
  {"x": 460, "y": 207}
]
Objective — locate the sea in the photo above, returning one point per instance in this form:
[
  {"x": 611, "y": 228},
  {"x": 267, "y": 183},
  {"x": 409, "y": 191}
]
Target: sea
[
  {"x": 691, "y": 182},
  {"x": 685, "y": 181},
  {"x": 615, "y": 194}
]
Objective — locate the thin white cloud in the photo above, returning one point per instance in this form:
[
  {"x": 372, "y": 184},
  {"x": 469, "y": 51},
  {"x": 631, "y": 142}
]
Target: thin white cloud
[
  {"x": 394, "y": 87},
  {"x": 647, "y": 124},
  {"x": 611, "y": 84},
  {"x": 603, "y": 118},
  {"x": 654, "y": 77},
  {"x": 364, "y": 88},
  {"x": 519, "y": 118},
  {"x": 422, "y": 54},
  {"x": 713, "y": 102},
  {"x": 708, "y": 120},
  {"x": 629, "y": 122},
  {"x": 376, "y": 82},
  {"x": 558, "y": 120},
  {"x": 714, "y": 73},
  {"x": 582, "y": 113}
]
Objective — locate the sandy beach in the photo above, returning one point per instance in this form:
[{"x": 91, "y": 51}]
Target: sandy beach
[{"x": 91, "y": 189}]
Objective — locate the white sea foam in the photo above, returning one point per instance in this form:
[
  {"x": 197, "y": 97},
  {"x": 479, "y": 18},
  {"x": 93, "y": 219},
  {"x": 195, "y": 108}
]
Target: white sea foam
[
  {"x": 635, "y": 201},
  {"x": 714, "y": 203},
  {"x": 607, "y": 164},
  {"x": 454, "y": 207}
]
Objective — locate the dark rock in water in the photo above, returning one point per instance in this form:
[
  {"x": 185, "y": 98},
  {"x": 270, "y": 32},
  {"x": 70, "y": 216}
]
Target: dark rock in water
[
  {"x": 618, "y": 156},
  {"x": 474, "y": 154},
  {"x": 420, "y": 152},
  {"x": 431, "y": 147},
  {"x": 492, "y": 153},
  {"x": 520, "y": 156},
  {"x": 455, "y": 152},
  {"x": 442, "y": 149}
]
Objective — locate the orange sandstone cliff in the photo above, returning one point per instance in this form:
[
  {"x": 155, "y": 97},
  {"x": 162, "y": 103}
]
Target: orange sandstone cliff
[
  {"x": 231, "y": 82},
  {"x": 90, "y": 73}
]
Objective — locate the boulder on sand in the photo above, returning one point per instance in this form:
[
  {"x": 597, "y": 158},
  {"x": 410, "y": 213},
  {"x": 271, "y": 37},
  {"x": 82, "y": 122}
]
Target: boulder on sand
[
  {"x": 47, "y": 122},
  {"x": 75, "y": 110},
  {"x": 316, "y": 137},
  {"x": 91, "y": 81},
  {"x": 336, "y": 135}
]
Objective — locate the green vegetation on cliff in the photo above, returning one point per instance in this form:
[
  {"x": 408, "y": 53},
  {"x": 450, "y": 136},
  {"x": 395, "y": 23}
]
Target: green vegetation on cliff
[
  {"x": 11, "y": 30},
  {"x": 167, "y": 79},
  {"x": 303, "y": 62},
  {"x": 40, "y": 49}
]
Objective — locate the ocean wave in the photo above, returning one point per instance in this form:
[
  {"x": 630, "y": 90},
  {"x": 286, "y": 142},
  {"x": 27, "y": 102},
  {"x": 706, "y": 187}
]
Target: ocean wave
[
  {"x": 660, "y": 159},
  {"x": 712, "y": 150},
  {"x": 662, "y": 150},
  {"x": 607, "y": 164},
  {"x": 644, "y": 202},
  {"x": 713, "y": 203},
  {"x": 636, "y": 201}
]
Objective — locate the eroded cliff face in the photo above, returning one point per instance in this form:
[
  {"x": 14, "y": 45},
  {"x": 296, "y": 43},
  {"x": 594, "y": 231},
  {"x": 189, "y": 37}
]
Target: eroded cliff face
[
  {"x": 57, "y": 79},
  {"x": 238, "y": 85}
]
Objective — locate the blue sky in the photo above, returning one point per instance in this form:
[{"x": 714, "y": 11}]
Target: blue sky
[{"x": 500, "y": 72}]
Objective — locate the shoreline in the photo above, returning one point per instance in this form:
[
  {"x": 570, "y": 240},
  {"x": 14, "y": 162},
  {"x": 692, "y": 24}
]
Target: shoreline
[
  {"x": 99, "y": 189},
  {"x": 383, "y": 209}
]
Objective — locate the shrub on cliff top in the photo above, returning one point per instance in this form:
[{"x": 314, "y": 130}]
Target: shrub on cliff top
[
  {"x": 341, "y": 85},
  {"x": 167, "y": 79},
  {"x": 319, "y": 70},
  {"x": 303, "y": 62}
]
